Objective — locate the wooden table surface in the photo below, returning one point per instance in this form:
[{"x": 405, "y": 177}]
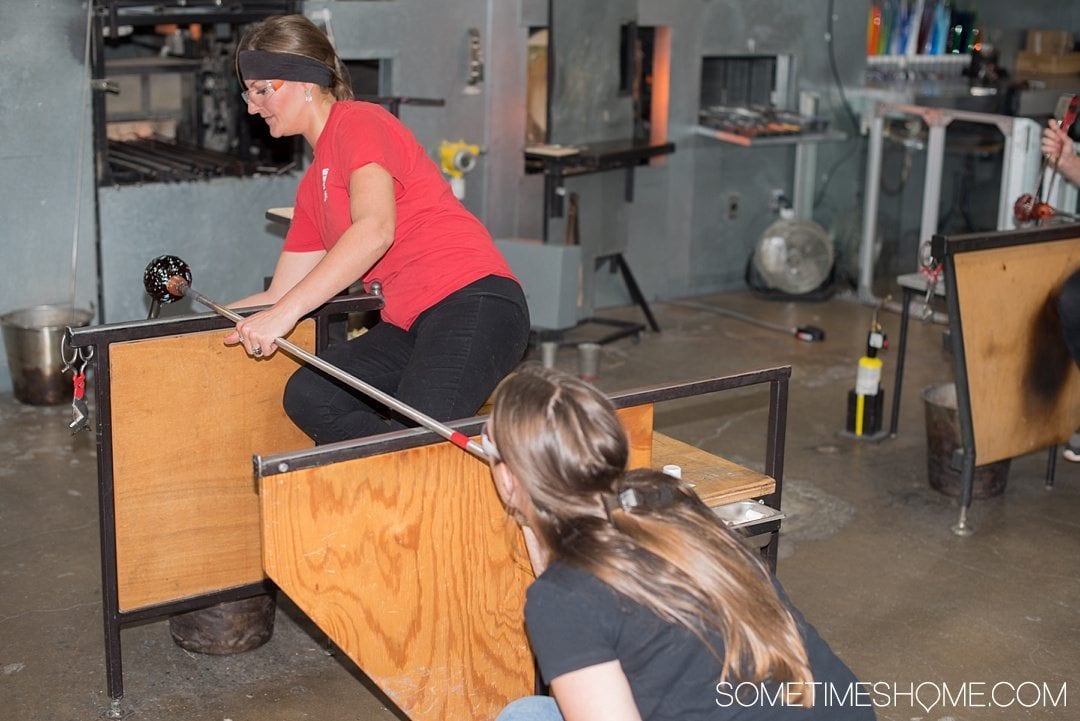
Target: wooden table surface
[{"x": 716, "y": 479}]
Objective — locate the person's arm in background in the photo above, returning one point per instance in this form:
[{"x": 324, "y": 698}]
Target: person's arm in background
[
  {"x": 374, "y": 215},
  {"x": 1057, "y": 144}
]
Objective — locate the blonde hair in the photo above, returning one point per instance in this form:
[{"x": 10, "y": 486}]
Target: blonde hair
[
  {"x": 297, "y": 35},
  {"x": 668, "y": 552}
]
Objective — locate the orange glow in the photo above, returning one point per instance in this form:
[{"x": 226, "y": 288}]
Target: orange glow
[{"x": 661, "y": 89}]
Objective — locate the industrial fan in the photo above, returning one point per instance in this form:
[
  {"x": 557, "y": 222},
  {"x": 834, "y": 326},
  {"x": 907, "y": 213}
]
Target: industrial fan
[{"x": 793, "y": 257}]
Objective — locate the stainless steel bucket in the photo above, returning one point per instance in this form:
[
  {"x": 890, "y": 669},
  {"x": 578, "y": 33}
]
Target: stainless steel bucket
[{"x": 32, "y": 338}]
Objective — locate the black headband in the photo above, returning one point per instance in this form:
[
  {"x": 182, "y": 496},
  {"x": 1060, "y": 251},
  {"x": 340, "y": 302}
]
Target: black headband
[{"x": 266, "y": 65}]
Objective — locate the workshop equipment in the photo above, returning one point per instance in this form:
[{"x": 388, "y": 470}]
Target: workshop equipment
[
  {"x": 163, "y": 92},
  {"x": 33, "y": 339},
  {"x": 867, "y": 398},
  {"x": 456, "y": 159},
  {"x": 758, "y": 121},
  {"x": 808, "y": 333},
  {"x": 168, "y": 278},
  {"x": 550, "y": 276},
  {"x": 944, "y": 448},
  {"x": 793, "y": 257}
]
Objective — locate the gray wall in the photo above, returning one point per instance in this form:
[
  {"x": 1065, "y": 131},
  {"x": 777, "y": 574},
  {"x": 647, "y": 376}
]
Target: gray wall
[
  {"x": 676, "y": 234},
  {"x": 217, "y": 227},
  {"x": 46, "y": 168},
  {"x": 585, "y": 102}
]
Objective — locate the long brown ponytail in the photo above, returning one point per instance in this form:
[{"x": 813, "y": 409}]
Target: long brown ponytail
[{"x": 643, "y": 533}]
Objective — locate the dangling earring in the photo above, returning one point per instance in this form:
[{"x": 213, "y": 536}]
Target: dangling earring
[{"x": 307, "y": 94}]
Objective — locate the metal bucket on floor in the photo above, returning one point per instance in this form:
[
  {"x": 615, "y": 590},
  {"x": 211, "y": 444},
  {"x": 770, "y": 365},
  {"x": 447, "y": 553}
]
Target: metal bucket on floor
[
  {"x": 33, "y": 338},
  {"x": 942, "y": 443},
  {"x": 225, "y": 628}
]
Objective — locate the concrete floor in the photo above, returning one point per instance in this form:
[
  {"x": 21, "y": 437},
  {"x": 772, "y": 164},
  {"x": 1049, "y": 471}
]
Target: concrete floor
[{"x": 866, "y": 551}]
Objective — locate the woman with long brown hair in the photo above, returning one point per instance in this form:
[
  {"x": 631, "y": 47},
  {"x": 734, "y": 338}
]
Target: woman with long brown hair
[{"x": 645, "y": 605}]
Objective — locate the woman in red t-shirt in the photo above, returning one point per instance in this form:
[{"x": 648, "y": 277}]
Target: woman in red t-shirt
[{"x": 373, "y": 206}]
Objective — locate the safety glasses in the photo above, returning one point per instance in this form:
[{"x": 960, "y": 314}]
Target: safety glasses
[{"x": 259, "y": 94}]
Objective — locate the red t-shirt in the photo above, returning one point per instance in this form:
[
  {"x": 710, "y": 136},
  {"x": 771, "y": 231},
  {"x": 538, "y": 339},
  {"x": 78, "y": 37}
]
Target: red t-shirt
[{"x": 439, "y": 247}]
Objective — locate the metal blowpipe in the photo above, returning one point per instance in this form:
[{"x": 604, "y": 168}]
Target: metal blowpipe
[{"x": 168, "y": 278}]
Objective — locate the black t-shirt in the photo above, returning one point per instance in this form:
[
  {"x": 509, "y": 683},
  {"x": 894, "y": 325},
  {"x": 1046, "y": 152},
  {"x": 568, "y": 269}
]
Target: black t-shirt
[{"x": 575, "y": 621}]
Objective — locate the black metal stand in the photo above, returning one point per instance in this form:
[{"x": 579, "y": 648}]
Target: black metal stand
[
  {"x": 910, "y": 291},
  {"x": 905, "y": 316},
  {"x": 624, "y": 328},
  {"x": 1051, "y": 467}
]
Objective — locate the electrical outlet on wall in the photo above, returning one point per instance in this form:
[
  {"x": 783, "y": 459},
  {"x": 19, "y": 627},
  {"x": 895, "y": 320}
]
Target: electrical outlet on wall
[{"x": 732, "y": 206}]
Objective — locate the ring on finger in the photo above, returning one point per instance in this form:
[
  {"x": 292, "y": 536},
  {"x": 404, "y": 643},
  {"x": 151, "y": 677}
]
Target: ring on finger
[{"x": 257, "y": 352}]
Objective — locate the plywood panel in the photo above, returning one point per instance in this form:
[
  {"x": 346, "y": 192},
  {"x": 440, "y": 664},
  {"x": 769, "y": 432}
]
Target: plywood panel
[
  {"x": 188, "y": 414},
  {"x": 716, "y": 480},
  {"x": 1024, "y": 387},
  {"x": 408, "y": 561}
]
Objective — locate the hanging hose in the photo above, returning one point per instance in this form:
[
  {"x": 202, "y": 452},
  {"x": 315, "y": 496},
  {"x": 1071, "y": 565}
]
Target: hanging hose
[{"x": 79, "y": 159}]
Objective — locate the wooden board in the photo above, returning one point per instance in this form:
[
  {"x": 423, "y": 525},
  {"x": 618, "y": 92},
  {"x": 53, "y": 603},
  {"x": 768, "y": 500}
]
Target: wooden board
[
  {"x": 551, "y": 151},
  {"x": 280, "y": 215},
  {"x": 408, "y": 561},
  {"x": 188, "y": 414},
  {"x": 716, "y": 480},
  {"x": 1024, "y": 387}
]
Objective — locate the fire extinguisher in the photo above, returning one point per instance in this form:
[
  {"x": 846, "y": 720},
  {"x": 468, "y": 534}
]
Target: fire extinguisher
[{"x": 866, "y": 400}]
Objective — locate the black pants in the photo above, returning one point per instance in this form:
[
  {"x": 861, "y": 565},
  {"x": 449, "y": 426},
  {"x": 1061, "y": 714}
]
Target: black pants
[
  {"x": 446, "y": 365},
  {"x": 1069, "y": 312}
]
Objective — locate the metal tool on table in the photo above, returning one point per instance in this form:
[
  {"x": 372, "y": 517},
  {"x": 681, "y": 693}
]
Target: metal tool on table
[
  {"x": 168, "y": 279},
  {"x": 808, "y": 333},
  {"x": 1029, "y": 207}
]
